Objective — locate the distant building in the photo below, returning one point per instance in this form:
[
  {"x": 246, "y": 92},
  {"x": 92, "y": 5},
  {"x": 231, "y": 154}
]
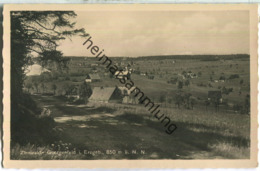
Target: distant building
[
  {"x": 94, "y": 65},
  {"x": 36, "y": 69},
  {"x": 92, "y": 78},
  {"x": 121, "y": 74},
  {"x": 106, "y": 95},
  {"x": 191, "y": 75}
]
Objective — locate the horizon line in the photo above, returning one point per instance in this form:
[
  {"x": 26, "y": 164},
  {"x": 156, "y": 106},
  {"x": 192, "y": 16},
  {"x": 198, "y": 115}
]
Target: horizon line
[{"x": 162, "y": 55}]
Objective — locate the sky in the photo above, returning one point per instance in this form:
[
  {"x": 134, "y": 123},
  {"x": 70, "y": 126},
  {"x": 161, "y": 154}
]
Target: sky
[{"x": 149, "y": 33}]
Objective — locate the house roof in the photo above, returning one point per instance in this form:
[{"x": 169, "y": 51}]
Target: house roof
[
  {"x": 102, "y": 93},
  {"x": 121, "y": 73},
  {"x": 93, "y": 76}
]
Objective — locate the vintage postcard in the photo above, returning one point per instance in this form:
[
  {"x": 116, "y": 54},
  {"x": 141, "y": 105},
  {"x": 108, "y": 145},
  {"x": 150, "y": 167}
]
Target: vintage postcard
[{"x": 130, "y": 86}]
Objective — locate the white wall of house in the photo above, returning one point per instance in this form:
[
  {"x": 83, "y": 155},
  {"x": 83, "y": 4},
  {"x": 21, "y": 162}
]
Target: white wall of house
[{"x": 88, "y": 80}]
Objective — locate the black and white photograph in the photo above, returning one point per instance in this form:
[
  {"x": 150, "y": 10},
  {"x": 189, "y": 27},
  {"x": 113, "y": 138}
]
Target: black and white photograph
[{"x": 130, "y": 82}]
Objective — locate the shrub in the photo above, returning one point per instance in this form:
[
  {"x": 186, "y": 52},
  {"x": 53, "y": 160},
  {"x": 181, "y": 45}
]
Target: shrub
[
  {"x": 227, "y": 90},
  {"x": 78, "y": 101},
  {"x": 201, "y": 85},
  {"x": 222, "y": 77},
  {"x": 29, "y": 127},
  {"x": 172, "y": 81},
  {"x": 180, "y": 85},
  {"x": 233, "y": 76},
  {"x": 237, "y": 107}
]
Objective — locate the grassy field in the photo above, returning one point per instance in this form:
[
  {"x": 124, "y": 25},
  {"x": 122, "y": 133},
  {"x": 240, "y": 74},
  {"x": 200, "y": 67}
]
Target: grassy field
[
  {"x": 163, "y": 71},
  {"x": 125, "y": 131},
  {"x": 117, "y": 131}
]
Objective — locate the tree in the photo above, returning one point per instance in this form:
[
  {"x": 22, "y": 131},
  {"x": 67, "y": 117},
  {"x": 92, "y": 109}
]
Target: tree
[
  {"x": 241, "y": 82},
  {"x": 38, "y": 32},
  {"x": 187, "y": 99},
  {"x": 169, "y": 100},
  {"x": 247, "y": 104},
  {"x": 234, "y": 76},
  {"x": 207, "y": 103},
  {"x": 187, "y": 82},
  {"x": 43, "y": 87},
  {"x": 222, "y": 77},
  {"x": 162, "y": 98},
  {"x": 211, "y": 78},
  {"x": 66, "y": 87},
  {"x": 180, "y": 85},
  {"x": 54, "y": 88},
  {"x": 192, "y": 102},
  {"x": 179, "y": 99},
  {"x": 36, "y": 85},
  {"x": 199, "y": 73},
  {"x": 85, "y": 91},
  {"x": 35, "y": 33},
  {"x": 28, "y": 86}
]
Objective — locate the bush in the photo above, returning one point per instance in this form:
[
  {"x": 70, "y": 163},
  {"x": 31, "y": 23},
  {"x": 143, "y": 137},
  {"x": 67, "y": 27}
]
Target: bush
[
  {"x": 227, "y": 90},
  {"x": 74, "y": 80},
  {"x": 79, "y": 101},
  {"x": 29, "y": 127},
  {"x": 233, "y": 76},
  {"x": 180, "y": 85},
  {"x": 172, "y": 81},
  {"x": 238, "y": 108},
  {"x": 201, "y": 85},
  {"x": 222, "y": 77}
]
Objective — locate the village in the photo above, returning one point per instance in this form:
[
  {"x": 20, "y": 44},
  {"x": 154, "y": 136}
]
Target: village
[
  {"x": 194, "y": 93},
  {"x": 164, "y": 84},
  {"x": 87, "y": 81}
]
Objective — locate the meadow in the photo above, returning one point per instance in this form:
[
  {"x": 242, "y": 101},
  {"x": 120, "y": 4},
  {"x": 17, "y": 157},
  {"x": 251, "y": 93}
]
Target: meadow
[
  {"x": 202, "y": 133},
  {"x": 119, "y": 127}
]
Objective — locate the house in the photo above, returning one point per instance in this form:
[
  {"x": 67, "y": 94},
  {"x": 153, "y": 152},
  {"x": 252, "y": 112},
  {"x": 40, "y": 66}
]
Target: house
[
  {"x": 94, "y": 65},
  {"x": 121, "y": 74},
  {"x": 106, "y": 95},
  {"x": 215, "y": 96},
  {"x": 36, "y": 69},
  {"x": 191, "y": 75},
  {"x": 92, "y": 78}
]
